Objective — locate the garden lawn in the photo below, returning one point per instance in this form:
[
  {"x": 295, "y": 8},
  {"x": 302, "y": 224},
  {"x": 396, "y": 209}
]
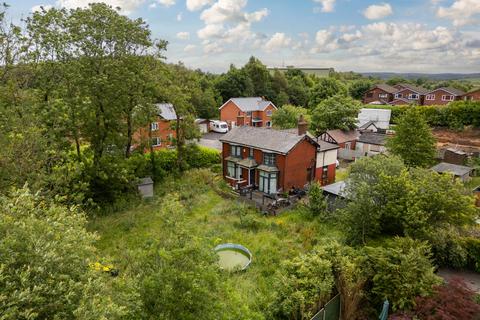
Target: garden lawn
[{"x": 216, "y": 220}]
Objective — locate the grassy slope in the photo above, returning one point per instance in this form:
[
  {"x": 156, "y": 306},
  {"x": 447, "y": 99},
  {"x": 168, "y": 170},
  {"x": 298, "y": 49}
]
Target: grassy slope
[{"x": 272, "y": 240}]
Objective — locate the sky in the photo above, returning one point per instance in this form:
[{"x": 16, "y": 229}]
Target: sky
[{"x": 431, "y": 36}]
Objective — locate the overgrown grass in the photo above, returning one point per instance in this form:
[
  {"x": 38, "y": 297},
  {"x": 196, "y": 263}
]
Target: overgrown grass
[{"x": 216, "y": 220}]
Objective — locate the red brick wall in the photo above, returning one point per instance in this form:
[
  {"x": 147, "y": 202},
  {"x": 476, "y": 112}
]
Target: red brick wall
[
  {"x": 229, "y": 113},
  {"x": 300, "y": 158},
  {"x": 330, "y": 175},
  {"x": 474, "y": 96},
  {"x": 264, "y": 116},
  {"x": 438, "y": 98},
  {"x": 375, "y": 95},
  {"x": 163, "y": 132}
]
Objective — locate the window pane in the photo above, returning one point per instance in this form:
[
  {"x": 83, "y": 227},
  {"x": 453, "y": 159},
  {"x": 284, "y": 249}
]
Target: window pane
[{"x": 273, "y": 183}]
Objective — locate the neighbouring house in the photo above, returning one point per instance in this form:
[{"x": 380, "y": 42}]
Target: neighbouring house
[
  {"x": 459, "y": 172},
  {"x": 335, "y": 194},
  {"x": 375, "y": 120},
  {"x": 253, "y": 111},
  {"x": 346, "y": 141},
  {"x": 371, "y": 143},
  {"x": 379, "y": 94},
  {"x": 443, "y": 96},
  {"x": 326, "y": 167},
  {"x": 473, "y": 95},
  {"x": 410, "y": 93},
  {"x": 273, "y": 161},
  {"x": 161, "y": 132}
]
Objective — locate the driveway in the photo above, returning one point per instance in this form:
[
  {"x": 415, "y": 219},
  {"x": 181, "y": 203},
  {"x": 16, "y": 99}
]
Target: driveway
[{"x": 211, "y": 140}]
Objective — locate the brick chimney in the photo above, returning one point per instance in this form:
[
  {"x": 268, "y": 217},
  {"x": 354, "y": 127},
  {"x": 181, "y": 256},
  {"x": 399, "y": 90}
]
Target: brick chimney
[{"x": 302, "y": 126}]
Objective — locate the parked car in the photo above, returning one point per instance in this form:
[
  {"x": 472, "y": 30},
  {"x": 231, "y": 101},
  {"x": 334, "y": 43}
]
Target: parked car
[{"x": 219, "y": 126}]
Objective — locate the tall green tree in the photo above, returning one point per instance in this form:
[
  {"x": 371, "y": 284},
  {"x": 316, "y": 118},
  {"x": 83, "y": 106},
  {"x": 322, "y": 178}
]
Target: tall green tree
[
  {"x": 338, "y": 112},
  {"x": 260, "y": 77},
  {"x": 413, "y": 140},
  {"x": 325, "y": 88},
  {"x": 234, "y": 83},
  {"x": 357, "y": 88},
  {"x": 287, "y": 116}
]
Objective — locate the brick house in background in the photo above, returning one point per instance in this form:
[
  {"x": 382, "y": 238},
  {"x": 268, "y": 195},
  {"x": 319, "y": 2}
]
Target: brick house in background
[
  {"x": 473, "y": 95},
  {"x": 253, "y": 111},
  {"x": 379, "y": 94},
  {"x": 162, "y": 132},
  {"x": 442, "y": 96},
  {"x": 272, "y": 160},
  {"x": 411, "y": 93}
]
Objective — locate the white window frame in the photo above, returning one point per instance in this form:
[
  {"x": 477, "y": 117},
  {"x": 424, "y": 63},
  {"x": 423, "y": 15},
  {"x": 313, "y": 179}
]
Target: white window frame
[
  {"x": 154, "y": 126},
  {"x": 269, "y": 113},
  {"x": 268, "y": 124},
  {"x": 383, "y": 95},
  {"x": 158, "y": 142},
  {"x": 413, "y": 96},
  {"x": 451, "y": 97},
  {"x": 430, "y": 97},
  {"x": 398, "y": 95}
]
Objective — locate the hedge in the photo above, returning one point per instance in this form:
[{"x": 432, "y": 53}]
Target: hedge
[{"x": 455, "y": 115}]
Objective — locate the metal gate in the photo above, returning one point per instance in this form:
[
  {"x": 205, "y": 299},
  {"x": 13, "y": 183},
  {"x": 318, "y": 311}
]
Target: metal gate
[{"x": 331, "y": 310}]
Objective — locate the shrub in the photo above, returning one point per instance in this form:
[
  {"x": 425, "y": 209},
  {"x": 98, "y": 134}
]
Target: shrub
[
  {"x": 400, "y": 272},
  {"x": 316, "y": 200},
  {"x": 201, "y": 157},
  {"x": 44, "y": 270},
  {"x": 304, "y": 285}
]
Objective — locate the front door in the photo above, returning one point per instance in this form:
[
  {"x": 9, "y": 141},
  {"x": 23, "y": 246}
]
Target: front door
[{"x": 251, "y": 177}]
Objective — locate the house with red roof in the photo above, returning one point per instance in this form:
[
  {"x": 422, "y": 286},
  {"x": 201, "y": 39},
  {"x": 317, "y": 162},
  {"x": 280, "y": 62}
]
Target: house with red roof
[{"x": 442, "y": 96}]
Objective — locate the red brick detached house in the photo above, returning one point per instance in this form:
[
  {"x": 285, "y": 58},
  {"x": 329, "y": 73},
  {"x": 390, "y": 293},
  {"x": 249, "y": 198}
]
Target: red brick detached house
[
  {"x": 255, "y": 112},
  {"x": 443, "y": 96},
  {"x": 379, "y": 94},
  {"x": 473, "y": 95},
  {"x": 271, "y": 160},
  {"x": 162, "y": 132}
]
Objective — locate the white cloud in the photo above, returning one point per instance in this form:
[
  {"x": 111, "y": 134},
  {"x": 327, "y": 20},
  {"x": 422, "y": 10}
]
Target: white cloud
[
  {"x": 226, "y": 22},
  {"x": 189, "y": 48},
  {"x": 183, "y": 35},
  {"x": 278, "y": 41},
  {"x": 166, "y": 3},
  {"x": 327, "y": 5},
  {"x": 378, "y": 11},
  {"x": 126, "y": 6},
  {"x": 40, "y": 6},
  {"x": 461, "y": 12},
  {"x": 180, "y": 16},
  {"x": 152, "y": 5},
  {"x": 194, "y": 5},
  {"x": 324, "y": 42}
]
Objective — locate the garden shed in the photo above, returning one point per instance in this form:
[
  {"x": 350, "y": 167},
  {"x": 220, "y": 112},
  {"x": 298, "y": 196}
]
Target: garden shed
[{"x": 461, "y": 172}]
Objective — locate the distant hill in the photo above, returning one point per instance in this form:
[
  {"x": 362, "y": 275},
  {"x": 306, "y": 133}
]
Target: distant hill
[{"x": 431, "y": 76}]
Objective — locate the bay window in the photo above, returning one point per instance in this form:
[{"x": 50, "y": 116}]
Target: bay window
[
  {"x": 267, "y": 182},
  {"x": 234, "y": 170}
]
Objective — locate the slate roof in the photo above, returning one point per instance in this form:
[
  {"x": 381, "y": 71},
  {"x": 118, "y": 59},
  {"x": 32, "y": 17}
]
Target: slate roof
[
  {"x": 250, "y": 104},
  {"x": 374, "y": 138},
  {"x": 342, "y": 136},
  {"x": 325, "y": 146},
  {"x": 452, "y": 90},
  {"x": 264, "y": 138},
  {"x": 419, "y": 90},
  {"x": 166, "y": 111},
  {"x": 456, "y": 169},
  {"x": 337, "y": 188},
  {"x": 386, "y": 87}
]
